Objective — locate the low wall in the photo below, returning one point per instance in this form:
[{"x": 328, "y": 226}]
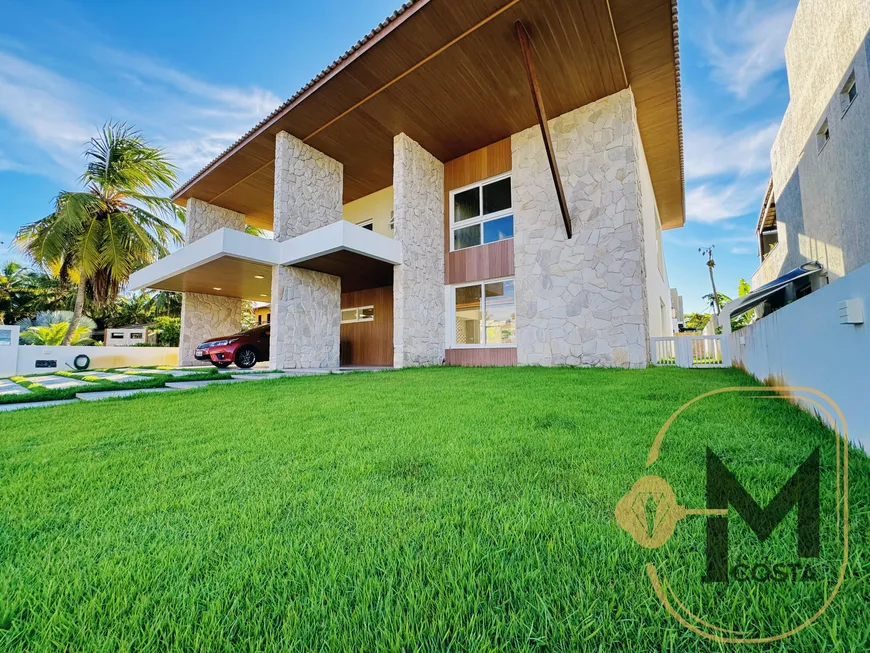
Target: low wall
[
  {"x": 101, "y": 357},
  {"x": 804, "y": 344}
]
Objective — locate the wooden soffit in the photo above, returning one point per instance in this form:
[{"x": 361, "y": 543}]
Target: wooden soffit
[{"x": 450, "y": 75}]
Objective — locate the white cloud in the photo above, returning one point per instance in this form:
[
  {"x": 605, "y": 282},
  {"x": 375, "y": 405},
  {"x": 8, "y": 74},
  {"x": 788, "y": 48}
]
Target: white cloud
[
  {"x": 743, "y": 251},
  {"x": 745, "y": 41},
  {"x": 44, "y": 108},
  {"x": 709, "y": 203},
  {"x": 50, "y": 116},
  {"x": 710, "y": 152}
]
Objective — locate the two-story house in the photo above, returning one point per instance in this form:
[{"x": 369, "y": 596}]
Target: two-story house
[{"x": 476, "y": 183}]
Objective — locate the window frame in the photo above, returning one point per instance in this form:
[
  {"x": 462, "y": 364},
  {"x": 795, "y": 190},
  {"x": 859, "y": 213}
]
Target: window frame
[
  {"x": 359, "y": 319},
  {"x": 823, "y": 135},
  {"x": 451, "y": 314},
  {"x": 480, "y": 219},
  {"x": 845, "y": 101},
  {"x": 365, "y": 224}
]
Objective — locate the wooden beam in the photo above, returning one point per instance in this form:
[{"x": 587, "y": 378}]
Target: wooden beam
[{"x": 526, "y": 47}]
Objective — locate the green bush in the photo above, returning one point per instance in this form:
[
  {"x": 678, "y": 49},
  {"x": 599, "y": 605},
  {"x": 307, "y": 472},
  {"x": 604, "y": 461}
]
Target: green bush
[{"x": 168, "y": 331}]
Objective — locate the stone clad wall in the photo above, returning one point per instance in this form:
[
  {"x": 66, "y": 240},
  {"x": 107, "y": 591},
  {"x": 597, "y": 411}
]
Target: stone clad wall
[
  {"x": 204, "y": 218},
  {"x": 306, "y": 316},
  {"x": 203, "y": 317},
  {"x": 206, "y": 316},
  {"x": 418, "y": 284},
  {"x": 308, "y": 188},
  {"x": 306, "y": 305},
  {"x": 583, "y": 301}
]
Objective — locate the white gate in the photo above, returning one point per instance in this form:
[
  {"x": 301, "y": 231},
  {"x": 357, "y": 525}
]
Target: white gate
[{"x": 690, "y": 351}]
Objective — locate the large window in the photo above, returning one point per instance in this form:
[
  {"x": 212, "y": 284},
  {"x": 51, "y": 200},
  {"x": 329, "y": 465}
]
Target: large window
[
  {"x": 484, "y": 314},
  {"x": 481, "y": 213}
]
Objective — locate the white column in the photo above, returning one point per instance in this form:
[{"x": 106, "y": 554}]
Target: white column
[
  {"x": 418, "y": 284},
  {"x": 306, "y": 305},
  {"x": 207, "y": 316}
]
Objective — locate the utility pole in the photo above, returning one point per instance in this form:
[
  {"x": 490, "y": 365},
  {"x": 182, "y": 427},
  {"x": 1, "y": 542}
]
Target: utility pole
[{"x": 708, "y": 252}]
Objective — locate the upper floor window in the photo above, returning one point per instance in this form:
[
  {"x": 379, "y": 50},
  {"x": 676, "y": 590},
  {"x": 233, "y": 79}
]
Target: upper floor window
[
  {"x": 823, "y": 135},
  {"x": 481, "y": 213},
  {"x": 368, "y": 224},
  {"x": 849, "y": 92}
]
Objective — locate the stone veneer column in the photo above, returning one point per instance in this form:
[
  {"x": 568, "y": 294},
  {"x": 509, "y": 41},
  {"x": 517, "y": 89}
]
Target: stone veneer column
[
  {"x": 206, "y": 316},
  {"x": 204, "y": 218},
  {"x": 203, "y": 317},
  {"x": 418, "y": 284},
  {"x": 581, "y": 301},
  {"x": 306, "y": 305}
]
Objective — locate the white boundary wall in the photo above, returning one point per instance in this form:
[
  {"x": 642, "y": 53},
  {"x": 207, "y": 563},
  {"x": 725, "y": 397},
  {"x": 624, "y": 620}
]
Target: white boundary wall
[
  {"x": 21, "y": 360},
  {"x": 804, "y": 344}
]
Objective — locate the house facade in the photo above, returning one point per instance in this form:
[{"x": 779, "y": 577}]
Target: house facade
[
  {"x": 815, "y": 208},
  {"x": 413, "y": 198}
]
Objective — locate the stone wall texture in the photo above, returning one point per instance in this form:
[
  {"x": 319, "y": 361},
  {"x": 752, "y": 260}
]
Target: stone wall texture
[
  {"x": 203, "y": 317},
  {"x": 581, "y": 301},
  {"x": 204, "y": 218},
  {"x": 418, "y": 284},
  {"x": 306, "y": 305},
  {"x": 306, "y": 317},
  {"x": 308, "y": 188}
]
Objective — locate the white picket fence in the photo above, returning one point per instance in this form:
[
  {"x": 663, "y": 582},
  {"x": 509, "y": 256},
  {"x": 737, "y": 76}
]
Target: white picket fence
[{"x": 690, "y": 351}]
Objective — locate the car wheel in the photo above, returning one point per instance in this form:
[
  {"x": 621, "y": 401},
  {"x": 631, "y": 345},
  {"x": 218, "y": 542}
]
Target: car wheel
[
  {"x": 221, "y": 364},
  {"x": 246, "y": 357}
]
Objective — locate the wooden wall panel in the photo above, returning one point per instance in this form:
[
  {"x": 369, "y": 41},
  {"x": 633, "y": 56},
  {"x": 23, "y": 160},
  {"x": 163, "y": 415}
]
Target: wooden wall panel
[
  {"x": 369, "y": 343},
  {"x": 482, "y": 357},
  {"x": 489, "y": 161},
  {"x": 489, "y": 261}
]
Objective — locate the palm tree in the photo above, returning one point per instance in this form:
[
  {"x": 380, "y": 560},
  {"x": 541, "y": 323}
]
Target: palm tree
[
  {"x": 115, "y": 226},
  {"x": 51, "y": 328}
]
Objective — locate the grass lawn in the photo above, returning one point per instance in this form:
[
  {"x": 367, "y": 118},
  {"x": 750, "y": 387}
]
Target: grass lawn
[{"x": 440, "y": 509}]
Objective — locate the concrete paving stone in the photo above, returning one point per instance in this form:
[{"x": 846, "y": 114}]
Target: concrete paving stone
[
  {"x": 258, "y": 377},
  {"x": 111, "y": 394},
  {"x": 8, "y": 387},
  {"x": 35, "y": 404},
  {"x": 117, "y": 377},
  {"x": 55, "y": 382},
  {"x": 140, "y": 372},
  {"x": 189, "y": 385}
]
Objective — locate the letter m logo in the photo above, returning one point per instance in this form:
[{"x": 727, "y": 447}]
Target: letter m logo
[{"x": 723, "y": 488}]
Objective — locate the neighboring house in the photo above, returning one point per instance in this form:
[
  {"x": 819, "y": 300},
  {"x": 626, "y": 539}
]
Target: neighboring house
[
  {"x": 262, "y": 314},
  {"x": 413, "y": 204},
  {"x": 129, "y": 335},
  {"x": 816, "y": 206},
  {"x": 678, "y": 317}
]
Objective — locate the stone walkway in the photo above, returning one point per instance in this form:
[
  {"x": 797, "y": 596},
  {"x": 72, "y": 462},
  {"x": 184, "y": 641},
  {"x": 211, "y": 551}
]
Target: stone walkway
[{"x": 9, "y": 387}]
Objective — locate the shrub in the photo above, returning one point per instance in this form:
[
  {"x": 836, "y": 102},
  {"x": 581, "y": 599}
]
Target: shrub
[{"x": 168, "y": 331}]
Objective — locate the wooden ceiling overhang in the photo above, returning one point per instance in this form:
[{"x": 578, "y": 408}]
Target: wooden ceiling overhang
[{"x": 450, "y": 75}]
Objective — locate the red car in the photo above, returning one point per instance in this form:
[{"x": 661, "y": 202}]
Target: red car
[{"x": 244, "y": 349}]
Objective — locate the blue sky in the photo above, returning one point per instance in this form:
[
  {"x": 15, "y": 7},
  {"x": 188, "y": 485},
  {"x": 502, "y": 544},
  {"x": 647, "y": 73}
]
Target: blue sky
[{"x": 193, "y": 77}]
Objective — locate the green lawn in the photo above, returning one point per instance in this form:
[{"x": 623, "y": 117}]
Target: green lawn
[{"x": 436, "y": 510}]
